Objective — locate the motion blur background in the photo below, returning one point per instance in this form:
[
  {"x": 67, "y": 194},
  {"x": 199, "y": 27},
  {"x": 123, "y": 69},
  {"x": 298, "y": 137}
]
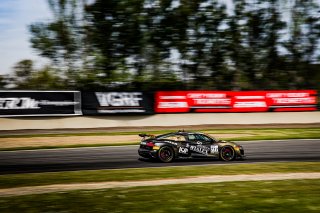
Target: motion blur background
[
  {"x": 173, "y": 44},
  {"x": 149, "y": 58}
]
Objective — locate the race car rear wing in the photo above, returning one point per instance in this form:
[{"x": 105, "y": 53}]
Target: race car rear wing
[{"x": 144, "y": 136}]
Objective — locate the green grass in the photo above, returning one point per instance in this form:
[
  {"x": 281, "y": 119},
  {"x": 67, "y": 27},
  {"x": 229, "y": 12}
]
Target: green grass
[
  {"x": 259, "y": 196},
  {"x": 275, "y": 134},
  {"x": 248, "y": 134},
  {"x": 268, "y": 132},
  {"x": 36, "y": 179}
]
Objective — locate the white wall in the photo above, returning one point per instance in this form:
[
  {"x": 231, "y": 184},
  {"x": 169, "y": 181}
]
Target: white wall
[{"x": 159, "y": 120}]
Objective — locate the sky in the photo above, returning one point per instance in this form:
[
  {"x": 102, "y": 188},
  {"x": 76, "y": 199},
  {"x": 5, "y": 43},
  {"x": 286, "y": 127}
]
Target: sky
[{"x": 15, "y": 17}]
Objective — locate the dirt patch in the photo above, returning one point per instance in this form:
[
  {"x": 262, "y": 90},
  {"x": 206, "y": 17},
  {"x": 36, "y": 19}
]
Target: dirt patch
[
  {"x": 65, "y": 141},
  {"x": 80, "y": 140},
  {"x": 117, "y": 184}
]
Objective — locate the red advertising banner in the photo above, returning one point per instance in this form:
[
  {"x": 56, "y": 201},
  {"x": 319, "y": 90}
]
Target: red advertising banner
[{"x": 232, "y": 101}]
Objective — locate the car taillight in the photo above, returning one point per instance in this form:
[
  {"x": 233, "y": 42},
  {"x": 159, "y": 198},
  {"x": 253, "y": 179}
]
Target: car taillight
[{"x": 150, "y": 144}]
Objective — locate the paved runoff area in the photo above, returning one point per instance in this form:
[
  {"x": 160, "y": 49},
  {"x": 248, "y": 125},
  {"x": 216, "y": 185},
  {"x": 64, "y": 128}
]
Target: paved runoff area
[
  {"x": 161, "y": 120},
  {"x": 19, "y": 191}
]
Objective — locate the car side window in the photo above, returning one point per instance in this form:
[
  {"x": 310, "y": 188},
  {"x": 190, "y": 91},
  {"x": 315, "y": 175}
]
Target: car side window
[
  {"x": 180, "y": 138},
  {"x": 206, "y": 138},
  {"x": 173, "y": 137},
  {"x": 200, "y": 137},
  {"x": 192, "y": 137}
]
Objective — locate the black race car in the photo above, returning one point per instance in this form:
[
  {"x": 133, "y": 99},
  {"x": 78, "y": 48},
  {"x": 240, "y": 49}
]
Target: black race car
[{"x": 182, "y": 144}]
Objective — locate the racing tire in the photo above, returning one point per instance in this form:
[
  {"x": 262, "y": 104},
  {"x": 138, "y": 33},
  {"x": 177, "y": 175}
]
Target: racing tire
[
  {"x": 227, "y": 153},
  {"x": 166, "y": 154}
]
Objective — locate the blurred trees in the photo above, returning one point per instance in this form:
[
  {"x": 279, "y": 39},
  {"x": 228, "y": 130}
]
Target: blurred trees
[
  {"x": 63, "y": 40},
  {"x": 3, "y": 81},
  {"x": 26, "y": 76},
  {"x": 177, "y": 44},
  {"x": 303, "y": 44}
]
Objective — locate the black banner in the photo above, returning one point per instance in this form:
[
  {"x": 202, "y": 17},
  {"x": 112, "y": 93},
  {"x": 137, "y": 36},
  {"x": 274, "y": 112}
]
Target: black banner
[
  {"x": 39, "y": 103},
  {"x": 99, "y": 103}
]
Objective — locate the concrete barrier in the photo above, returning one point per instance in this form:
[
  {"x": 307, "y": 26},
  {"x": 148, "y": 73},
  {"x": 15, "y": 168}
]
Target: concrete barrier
[{"x": 159, "y": 120}]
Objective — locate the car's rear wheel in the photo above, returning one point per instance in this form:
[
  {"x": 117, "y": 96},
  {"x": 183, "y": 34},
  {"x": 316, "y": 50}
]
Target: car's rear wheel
[
  {"x": 166, "y": 154},
  {"x": 227, "y": 153}
]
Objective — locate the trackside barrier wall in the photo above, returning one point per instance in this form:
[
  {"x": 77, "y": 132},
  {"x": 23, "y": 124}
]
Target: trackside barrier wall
[
  {"x": 233, "y": 101},
  {"x": 40, "y": 103},
  {"x": 104, "y": 103},
  {"x": 70, "y": 103}
]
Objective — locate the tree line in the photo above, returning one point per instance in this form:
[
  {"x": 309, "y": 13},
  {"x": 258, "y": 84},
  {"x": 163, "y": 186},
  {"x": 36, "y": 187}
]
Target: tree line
[{"x": 174, "y": 44}]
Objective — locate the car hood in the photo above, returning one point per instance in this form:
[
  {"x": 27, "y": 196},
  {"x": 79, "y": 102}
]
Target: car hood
[{"x": 223, "y": 142}]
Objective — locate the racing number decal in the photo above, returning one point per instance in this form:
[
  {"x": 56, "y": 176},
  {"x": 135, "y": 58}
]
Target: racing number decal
[{"x": 214, "y": 149}]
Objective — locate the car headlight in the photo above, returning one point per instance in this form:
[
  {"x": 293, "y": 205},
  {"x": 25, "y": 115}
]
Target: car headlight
[{"x": 237, "y": 147}]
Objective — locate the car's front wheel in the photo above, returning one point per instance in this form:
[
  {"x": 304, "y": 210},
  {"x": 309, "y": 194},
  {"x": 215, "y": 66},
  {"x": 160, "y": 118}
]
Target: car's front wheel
[
  {"x": 227, "y": 153},
  {"x": 166, "y": 154}
]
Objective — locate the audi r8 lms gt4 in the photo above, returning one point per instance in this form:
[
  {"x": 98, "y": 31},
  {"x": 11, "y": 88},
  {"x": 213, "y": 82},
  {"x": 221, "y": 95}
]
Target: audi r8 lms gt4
[{"x": 183, "y": 144}]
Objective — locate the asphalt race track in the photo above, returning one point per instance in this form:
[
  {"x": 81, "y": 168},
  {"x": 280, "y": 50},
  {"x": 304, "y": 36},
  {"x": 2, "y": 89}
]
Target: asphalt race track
[{"x": 127, "y": 157}]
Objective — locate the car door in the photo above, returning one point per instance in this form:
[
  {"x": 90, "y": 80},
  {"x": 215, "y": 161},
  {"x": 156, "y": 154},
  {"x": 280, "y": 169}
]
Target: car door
[
  {"x": 183, "y": 146},
  {"x": 199, "y": 146},
  {"x": 211, "y": 144}
]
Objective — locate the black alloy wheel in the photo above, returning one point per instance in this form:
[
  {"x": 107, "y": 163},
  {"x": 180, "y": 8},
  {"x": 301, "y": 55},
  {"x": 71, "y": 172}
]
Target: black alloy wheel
[
  {"x": 227, "y": 153},
  {"x": 166, "y": 154}
]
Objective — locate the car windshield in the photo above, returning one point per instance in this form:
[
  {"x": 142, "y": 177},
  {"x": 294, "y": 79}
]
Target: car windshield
[
  {"x": 209, "y": 136},
  {"x": 201, "y": 137}
]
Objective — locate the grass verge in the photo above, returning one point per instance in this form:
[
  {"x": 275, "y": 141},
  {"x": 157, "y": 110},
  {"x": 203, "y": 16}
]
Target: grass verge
[
  {"x": 259, "y": 196},
  {"x": 275, "y": 134},
  {"x": 38, "y": 179},
  {"x": 307, "y": 132}
]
